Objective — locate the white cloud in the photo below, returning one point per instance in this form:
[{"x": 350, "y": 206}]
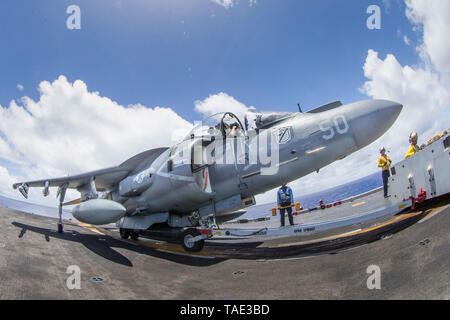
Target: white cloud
[
  {"x": 231, "y": 3},
  {"x": 221, "y": 102},
  {"x": 406, "y": 40},
  {"x": 225, "y": 3},
  {"x": 20, "y": 87},
  {"x": 422, "y": 92},
  {"x": 6, "y": 180},
  {"x": 432, "y": 18},
  {"x": 424, "y": 89},
  {"x": 70, "y": 130}
]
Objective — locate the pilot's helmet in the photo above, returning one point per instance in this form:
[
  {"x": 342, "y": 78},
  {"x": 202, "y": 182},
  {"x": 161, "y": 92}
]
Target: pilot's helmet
[{"x": 413, "y": 137}]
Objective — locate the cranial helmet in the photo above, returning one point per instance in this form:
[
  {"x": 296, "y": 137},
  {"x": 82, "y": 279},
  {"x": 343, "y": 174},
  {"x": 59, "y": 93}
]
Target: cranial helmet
[{"x": 413, "y": 137}]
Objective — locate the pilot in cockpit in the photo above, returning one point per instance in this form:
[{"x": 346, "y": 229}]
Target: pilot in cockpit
[
  {"x": 236, "y": 130},
  {"x": 212, "y": 131}
]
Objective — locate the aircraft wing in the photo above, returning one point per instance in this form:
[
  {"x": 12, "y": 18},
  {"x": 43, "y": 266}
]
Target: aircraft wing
[{"x": 104, "y": 179}]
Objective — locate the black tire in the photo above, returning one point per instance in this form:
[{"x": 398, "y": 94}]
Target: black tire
[
  {"x": 60, "y": 228},
  {"x": 191, "y": 247},
  {"x": 134, "y": 235},
  {"x": 124, "y": 233}
]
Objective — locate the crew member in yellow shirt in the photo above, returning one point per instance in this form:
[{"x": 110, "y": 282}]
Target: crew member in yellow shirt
[
  {"x": 384, "y": 162},
  {"x": 413, "y": 147}
]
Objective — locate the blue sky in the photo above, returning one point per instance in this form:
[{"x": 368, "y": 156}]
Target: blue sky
[{"x": 171, "y": 53}]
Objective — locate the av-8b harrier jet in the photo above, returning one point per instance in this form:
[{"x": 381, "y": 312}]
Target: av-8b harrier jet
[{"x": 218, "y": 168}]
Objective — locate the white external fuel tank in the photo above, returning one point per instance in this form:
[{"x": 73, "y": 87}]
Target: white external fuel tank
[{"x": 99, "y": 211}]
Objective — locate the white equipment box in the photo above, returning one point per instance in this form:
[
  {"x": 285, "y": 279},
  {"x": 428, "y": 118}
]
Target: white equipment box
[{"x": 428, "y": 169}]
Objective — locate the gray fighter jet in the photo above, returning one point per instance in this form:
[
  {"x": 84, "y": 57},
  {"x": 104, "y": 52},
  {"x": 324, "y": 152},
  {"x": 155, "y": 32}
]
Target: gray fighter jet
[{"x": 218, "y": 168}]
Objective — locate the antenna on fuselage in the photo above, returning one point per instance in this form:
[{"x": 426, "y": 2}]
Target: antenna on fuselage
[{"x": 299, "y": 108}]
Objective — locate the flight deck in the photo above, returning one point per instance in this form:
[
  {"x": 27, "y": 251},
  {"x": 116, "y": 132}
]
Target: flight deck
[
  {"x": 411, "y": 249},
  {"x": 358, "y": 210},
  {"x": 357, "y": 221}
]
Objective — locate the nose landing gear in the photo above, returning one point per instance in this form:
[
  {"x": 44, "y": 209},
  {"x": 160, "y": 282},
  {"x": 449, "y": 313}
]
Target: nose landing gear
[{"x": 192, "y": 240}]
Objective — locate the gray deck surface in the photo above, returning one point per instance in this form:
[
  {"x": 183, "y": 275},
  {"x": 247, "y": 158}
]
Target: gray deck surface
[
  {"x": 357, "y": 206},
  {"x": 34, "y": 258}
]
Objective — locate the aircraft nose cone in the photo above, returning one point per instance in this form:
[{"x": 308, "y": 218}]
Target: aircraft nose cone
[
  {"x": 393, "y": 109},
  {"x": 378, "y": 117}
]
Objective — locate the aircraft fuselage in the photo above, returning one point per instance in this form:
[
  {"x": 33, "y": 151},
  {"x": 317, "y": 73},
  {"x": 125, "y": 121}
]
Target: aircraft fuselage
[{"x": 291, "y": 148}]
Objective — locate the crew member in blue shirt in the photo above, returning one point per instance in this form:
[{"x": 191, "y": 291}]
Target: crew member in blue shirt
[{"x": 285, "y": 201}]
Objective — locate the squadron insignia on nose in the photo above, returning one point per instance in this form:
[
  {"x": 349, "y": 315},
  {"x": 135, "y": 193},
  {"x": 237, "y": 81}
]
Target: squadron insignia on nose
[{"x": 284, "y": 135}]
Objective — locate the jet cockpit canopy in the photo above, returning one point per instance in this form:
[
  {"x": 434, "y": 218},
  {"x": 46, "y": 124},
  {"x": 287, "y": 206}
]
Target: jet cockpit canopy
[
  {"x": 224, "y": 123},
  {"x": 227, "y": 124},
  {"x": 255, "y": 120}
]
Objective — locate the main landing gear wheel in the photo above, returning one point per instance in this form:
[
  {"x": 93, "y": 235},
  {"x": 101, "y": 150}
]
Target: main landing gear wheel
[
  {"x": 60, "y": 228},
  {"x": 124, "y": 233},
  {"x": 187, "y": 242},
  {"x": 134, "y": 235}
]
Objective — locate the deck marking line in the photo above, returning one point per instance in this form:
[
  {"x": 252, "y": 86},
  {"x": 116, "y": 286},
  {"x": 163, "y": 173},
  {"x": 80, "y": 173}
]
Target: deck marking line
[
  {"x": 358, "y": 204},
  {"x": 432, "y": 214},
  {"x": 88, "y": 226}
]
